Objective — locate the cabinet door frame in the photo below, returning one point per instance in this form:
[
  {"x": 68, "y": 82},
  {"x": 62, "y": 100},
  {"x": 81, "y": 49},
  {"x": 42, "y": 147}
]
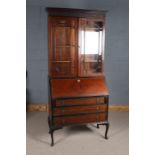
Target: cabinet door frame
[
  {"x": 51, "y": 45},
  {"x": 102, "y": 19}
]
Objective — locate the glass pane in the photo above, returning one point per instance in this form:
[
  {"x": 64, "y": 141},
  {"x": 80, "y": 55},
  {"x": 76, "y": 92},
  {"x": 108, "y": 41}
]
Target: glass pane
[
  {"x": 64, "y": 53},
  {"x": 64, "y": 36},
  {"x": 62, "y": 69},
  {"x": 64, "y": 41},
  {"x": 91, "y": 49},
  {"x": 91, "y": 42}
]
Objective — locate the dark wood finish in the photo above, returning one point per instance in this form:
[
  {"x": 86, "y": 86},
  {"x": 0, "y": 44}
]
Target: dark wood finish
[
  {"x": 107, "y": 128},
  {"x": 63, "y": 52},
  {"x": 79, "y": 109},
  {"x": 82, "y": 87},
  {"x": 76, "y": 12},
  {"x": 78, "y": 92},
  {"x": 90, "y": 118},
  {"x": 81, "y": 101}
]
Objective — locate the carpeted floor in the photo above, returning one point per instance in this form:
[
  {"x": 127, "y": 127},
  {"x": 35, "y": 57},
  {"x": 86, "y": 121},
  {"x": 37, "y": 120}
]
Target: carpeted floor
[{"x": 78, "y": 140}]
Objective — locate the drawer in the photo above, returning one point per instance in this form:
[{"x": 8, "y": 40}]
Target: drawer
[
  {"x": 79, "y": 109},
  {"x": 81, "y": 101},
  {"x": 80, "y": 119}
]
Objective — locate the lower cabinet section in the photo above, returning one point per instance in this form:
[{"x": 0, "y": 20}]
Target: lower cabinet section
[
  {"x": 84, "y": 118},
  {"x": 82, "y": 110}
]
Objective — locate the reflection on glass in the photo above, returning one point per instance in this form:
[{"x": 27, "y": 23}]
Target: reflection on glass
[
  {"x": 91, "y": 42},
  {"x": 91, "y": 47},
  {"x": 64, "y": 48}
]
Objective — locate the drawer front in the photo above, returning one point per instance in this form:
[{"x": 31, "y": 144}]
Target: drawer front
[
  {"x": 81, "y": 101},
  {"x": 80, "y": 119},
  {"x": 79, "y": 109}
]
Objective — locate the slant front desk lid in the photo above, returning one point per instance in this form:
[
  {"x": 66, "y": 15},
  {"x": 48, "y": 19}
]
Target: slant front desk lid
[{"x": 80, "y": 87}]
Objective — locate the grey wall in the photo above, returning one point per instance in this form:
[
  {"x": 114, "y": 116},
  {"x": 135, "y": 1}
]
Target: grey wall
[{"x": 116, "y": 50}]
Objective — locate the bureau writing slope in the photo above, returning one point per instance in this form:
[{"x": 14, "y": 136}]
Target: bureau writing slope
[{"x": 78, "y": 91}]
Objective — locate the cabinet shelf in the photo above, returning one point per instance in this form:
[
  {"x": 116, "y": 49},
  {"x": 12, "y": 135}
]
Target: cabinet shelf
[
  {"x": 61, "y": 61},
  {"x": 87, "y": 61},
  {"x": 59, "y": 26},
  {"x": 94, "y": 29},
  {"x": 59, "y": 46}
]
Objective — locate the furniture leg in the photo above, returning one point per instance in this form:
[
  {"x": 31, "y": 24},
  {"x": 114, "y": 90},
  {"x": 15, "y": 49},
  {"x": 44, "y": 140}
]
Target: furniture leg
[
  {"x": 106, "y": 132},
  {"x": 52, "y": 138},
  {"x": 107, "y": 128},
  {"x": 52, "y": 129},
  {"x": 49, "y": 123}
]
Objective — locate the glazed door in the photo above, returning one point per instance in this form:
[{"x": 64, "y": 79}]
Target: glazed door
[
  {"x": 91, "y": 41},
  {"x": 63, "y": 53}
]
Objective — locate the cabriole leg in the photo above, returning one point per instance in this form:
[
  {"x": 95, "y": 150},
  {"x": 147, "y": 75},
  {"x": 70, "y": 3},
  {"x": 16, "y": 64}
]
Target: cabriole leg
[
  {"x": 106, "y": 132},
  {"x": 52, "y": 138},
  {"x": 107, "y": 128},
  {"x": 49, "y": 123}
]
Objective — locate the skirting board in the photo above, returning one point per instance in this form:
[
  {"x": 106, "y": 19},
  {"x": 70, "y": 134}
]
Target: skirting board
[{"x": 44, "y": 107}]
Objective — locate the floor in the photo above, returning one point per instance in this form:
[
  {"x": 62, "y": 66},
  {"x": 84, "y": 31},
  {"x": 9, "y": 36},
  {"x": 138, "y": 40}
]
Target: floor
[{"x": 78, "y": 140}]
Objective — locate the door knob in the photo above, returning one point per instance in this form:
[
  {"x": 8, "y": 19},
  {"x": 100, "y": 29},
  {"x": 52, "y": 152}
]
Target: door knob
[{"x": 78, "y": 80}]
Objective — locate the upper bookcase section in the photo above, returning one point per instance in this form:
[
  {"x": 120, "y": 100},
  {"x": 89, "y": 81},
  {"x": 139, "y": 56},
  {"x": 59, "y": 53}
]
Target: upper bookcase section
[{"x": 76, "y": 42}]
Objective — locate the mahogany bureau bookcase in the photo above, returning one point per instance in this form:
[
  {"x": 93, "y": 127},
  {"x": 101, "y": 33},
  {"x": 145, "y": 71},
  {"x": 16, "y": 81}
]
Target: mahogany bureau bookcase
[{"x": 78, "y": 92}]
